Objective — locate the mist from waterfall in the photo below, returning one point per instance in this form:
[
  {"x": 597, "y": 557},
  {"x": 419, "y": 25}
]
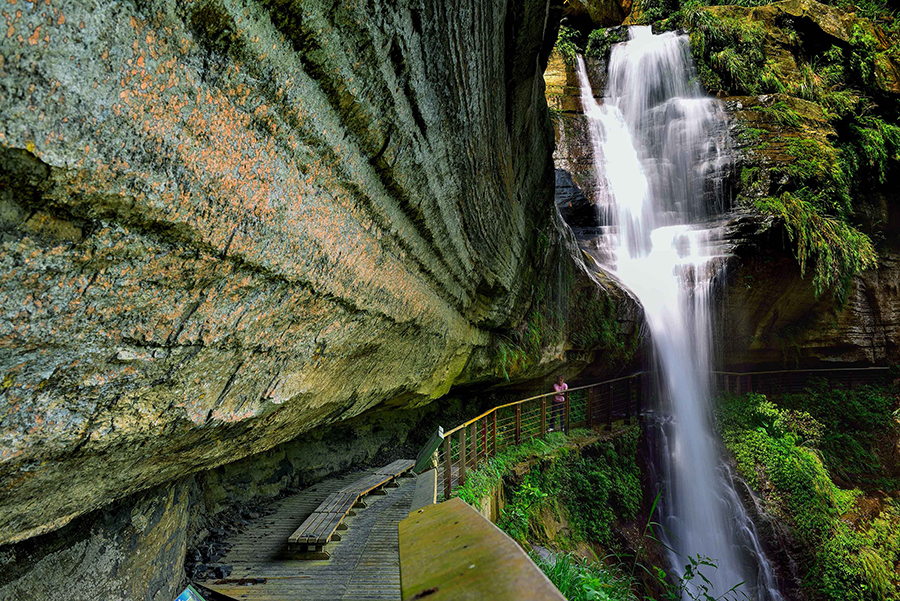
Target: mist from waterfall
[{"x": 660, "y": 147}]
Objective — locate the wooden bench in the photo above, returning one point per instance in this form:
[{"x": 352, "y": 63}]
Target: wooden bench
[
  {"x": 397, "y": 468},
  {"x": 320, "y": 528}
]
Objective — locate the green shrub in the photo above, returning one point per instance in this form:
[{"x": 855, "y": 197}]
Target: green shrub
[
  {"x": 489, "y": 475},
  {"x": 728, "y": 53},
  {"x": 579, "y": 580},
  {"x": 600, "y": 41},
  {"x": 595, "y": 487},
  {"x": 778, "y": 451},
  {"x": 565, "y": 43},
  {"x": 853, "y": 425}
]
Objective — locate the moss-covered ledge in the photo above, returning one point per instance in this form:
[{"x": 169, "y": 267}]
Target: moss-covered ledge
[
  {"x": 565, "y": 490},
  {"x": 569, "y": 500}
]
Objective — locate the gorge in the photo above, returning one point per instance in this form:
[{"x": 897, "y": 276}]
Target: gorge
[{"x": 247, "y": 245}]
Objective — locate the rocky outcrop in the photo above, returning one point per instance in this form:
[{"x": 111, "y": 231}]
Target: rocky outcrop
[
  {"x": 224, "y": 225},
  {"x": 819, "y": 26},
  {"x": 130, "y": 550},
  {"x": 770, "y": 316},
  {"x": 577, "y": 187},
  {"x": 593, "y": 14}
]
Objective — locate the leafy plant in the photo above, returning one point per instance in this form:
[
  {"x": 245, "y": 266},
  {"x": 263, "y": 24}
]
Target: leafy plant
[
  {"x": 580, "y": 580},
  {"x": 833, "y": 249},
  {"x": 566, "y": 44},
  {"x": 780, "y": 449}
]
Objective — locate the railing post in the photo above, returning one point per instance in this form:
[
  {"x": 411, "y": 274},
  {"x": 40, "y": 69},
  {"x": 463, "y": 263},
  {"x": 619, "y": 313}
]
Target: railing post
[
  {"x": 566, "y": 394},
  {"x": 494, "y": 432},
  {"x": 462, "y": 457},
  {"x": 727, "y": 387},
  {"x": 543, "y": 417},
  {"x": 588, "y": 410},
  {"x": 518, "y": 422},
  {"x": 473, "y": 434},
  {"x": 448, "y": 468},
  {"x": 640, "y": 397},
  {"x": 609, "y": 404},
  {"x": 628, "y": 394},
  {"x": 484, "y": 445}
]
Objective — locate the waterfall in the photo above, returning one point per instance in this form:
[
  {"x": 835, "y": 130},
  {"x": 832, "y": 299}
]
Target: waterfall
[{"x": 660, "y": 147}]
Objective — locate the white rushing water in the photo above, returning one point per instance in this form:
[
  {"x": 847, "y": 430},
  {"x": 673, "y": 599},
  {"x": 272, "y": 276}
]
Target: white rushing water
[{"x": 660, "y": 153}]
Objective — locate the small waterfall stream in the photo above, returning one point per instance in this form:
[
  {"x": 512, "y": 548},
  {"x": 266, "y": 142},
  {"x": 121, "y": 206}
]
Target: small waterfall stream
[{"x": 660, "y": 148}]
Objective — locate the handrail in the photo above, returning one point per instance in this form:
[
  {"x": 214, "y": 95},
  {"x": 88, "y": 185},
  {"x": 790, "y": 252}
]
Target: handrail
[
  {"x": 483, "y": 436},
  {"x": 500, "y": 427},
  {"x": 541, "y": 396},
  {"x": 797, "y": 371}
]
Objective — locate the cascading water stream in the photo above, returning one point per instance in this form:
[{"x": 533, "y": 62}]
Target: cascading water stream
[{"x": 660, "y": 157}]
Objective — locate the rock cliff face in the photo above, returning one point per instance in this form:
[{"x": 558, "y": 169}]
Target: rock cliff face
[
  {"x": 777, "y": 320},
  {"x": 576, "y": 177},
  {"x": 225, "y": 224},
  {"x": 770, "y": 314}
]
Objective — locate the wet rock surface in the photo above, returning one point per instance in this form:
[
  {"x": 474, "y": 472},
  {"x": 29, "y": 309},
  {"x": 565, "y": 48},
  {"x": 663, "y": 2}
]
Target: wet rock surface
[{"x": 224, "y": 225}]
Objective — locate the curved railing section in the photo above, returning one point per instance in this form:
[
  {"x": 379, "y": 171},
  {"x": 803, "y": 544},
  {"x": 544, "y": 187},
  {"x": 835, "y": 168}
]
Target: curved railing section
[
  {"x": 461, "y": 449},
  {"x": 455, "y": 452}
]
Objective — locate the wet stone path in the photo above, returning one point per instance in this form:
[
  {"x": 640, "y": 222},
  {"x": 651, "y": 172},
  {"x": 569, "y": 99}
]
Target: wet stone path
[{"x": 365, "y": 564}]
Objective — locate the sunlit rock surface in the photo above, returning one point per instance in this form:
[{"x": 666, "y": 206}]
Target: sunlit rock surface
[
  {"x": 225, "y": 224},
  {"x": 770, "y": 314}
]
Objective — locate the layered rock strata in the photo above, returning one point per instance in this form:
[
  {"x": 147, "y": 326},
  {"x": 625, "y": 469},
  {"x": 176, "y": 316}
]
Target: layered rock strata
[{"x": 224, "y": 224}]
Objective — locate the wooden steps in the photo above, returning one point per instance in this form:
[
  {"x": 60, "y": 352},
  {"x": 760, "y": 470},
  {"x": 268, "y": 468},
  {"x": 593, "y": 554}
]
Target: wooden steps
[{"x": 320, "y": 528}]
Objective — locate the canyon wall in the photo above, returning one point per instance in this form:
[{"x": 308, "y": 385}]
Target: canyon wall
[{"x": 226, "y": 224}]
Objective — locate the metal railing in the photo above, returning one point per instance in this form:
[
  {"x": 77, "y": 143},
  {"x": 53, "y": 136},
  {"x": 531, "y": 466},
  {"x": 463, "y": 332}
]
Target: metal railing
[
  {"x": 495, "y": 430},
  {"x": 789, "y": 381},
  {"x": 465, "y": 446}
]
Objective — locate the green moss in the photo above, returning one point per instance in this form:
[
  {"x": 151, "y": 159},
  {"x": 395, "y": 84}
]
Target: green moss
[
  {"x": 776, "y": 450},
  {"x": 594, "y": 323},
  {"x": 854, "y": 424},
  {"x": 593, "y": 488}
]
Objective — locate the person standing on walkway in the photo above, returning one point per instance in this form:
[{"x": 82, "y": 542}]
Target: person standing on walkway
[{"x": 559, "y": 404}]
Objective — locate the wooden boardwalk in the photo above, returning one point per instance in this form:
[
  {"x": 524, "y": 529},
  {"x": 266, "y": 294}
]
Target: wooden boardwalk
[{"x": 365, "y": 564}]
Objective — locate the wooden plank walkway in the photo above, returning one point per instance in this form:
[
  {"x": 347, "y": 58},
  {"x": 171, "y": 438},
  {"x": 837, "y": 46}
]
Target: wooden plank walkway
[{"x": 364, "y": 564}]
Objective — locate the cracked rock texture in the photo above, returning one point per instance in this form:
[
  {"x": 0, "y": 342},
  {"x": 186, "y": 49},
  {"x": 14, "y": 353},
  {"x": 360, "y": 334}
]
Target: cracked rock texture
[{"x": 223, "y": 224}]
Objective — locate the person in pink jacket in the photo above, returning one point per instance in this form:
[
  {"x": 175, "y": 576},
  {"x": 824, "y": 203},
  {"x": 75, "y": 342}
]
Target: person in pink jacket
[{"x": 559, "y": 403}]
